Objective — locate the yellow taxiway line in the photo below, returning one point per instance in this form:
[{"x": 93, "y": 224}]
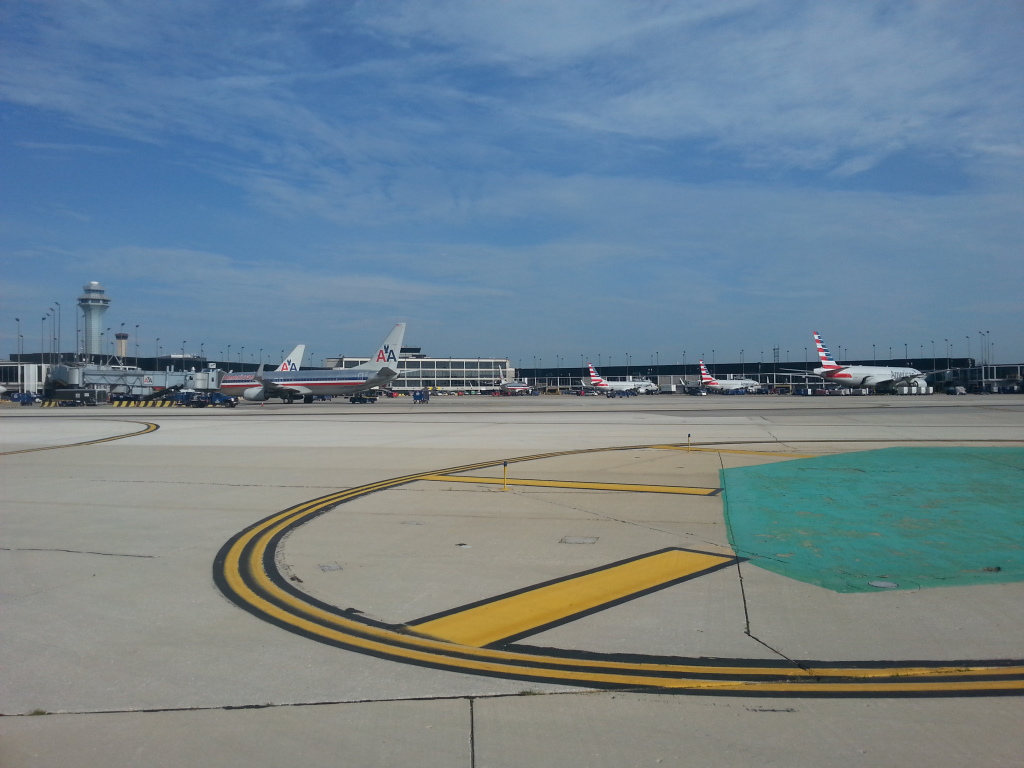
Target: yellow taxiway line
[
  {"x": 776, "y": 454},
  {"x": 246, "y": 571},
  {"x": 147, "y": 428},
  {"x": 574, "y": 484},
  {"x": 528, "y": 611}
]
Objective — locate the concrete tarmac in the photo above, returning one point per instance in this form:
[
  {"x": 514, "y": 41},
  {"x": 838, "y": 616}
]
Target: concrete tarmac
[{"x": 123, "y": 642}]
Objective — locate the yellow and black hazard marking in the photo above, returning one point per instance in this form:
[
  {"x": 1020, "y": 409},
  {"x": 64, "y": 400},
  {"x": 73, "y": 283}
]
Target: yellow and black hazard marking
[
  {"x": 246, "y": 571},
  {"x": 146, "y": 428}
]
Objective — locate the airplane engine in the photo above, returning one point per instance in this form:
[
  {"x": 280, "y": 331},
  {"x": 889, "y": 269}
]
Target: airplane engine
[{"x": 255, "y": 394}]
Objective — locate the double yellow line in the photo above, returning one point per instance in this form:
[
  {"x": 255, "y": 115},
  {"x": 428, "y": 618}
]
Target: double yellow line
[
  {"x": 245, "y": 570},
  {"x": 147, "y": 427}
]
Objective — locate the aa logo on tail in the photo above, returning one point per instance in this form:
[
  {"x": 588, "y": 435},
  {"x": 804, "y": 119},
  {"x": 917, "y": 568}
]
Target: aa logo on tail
[{"x": 386, "y": 355}]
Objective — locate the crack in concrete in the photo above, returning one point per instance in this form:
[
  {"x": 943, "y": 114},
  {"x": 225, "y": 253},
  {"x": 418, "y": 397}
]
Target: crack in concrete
[
  {"x": 273, "y": 705},
  {"x": 72, "y": 552}
]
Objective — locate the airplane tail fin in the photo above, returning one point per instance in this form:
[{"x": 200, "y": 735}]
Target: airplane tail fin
[
  {"x": 387, "y": 353},
  {"x": 827, "y": 361},
  {"x": 595, "y": 377},
  {"x": 294, "y": 360},
  {"x": 705, "y": 377}
]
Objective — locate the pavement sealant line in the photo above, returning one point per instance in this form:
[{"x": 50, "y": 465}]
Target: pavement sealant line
[
  {"x": 71, "y": 552},
  {"x": 332, "y": 703}
]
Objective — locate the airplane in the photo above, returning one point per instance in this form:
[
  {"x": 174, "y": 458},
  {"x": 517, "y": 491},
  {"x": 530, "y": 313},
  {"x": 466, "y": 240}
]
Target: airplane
[
  {"x": 295, "y": 385},
  {"x": 712, "y": 384},
  {"x": 594, "y": 381},
  {"x": 869, "y": 376},
  {"x": 237, "y": 382},
  {"x": 515, "y": 387}
]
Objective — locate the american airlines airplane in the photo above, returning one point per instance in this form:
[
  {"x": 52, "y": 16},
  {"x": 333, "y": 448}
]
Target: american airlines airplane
[
  {"x": 712, "y": 384},
  {"x": 515, "y": 387},
  {"x": 594, "y": 381},
  {"x": 293, "y": 385},
  {"x": 239, "y": 382},
  {"x": 870, "y": 376}
]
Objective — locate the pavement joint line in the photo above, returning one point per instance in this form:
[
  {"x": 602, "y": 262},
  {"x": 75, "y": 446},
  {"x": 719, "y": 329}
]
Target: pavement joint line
[
  {"x": 632, "y": 487},
  {"x": 246, "y": 571}
]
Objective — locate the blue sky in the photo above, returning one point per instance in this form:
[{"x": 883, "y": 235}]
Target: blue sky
[{"x": 521, "y": 179}]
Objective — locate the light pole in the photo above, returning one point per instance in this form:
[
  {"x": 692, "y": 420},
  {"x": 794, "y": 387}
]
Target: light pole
[
  {"x": 156, "y": 348},
  {"x": 229, "y": 355},
  {"x": 261, "y": 355},
  {"x": 947, "y": 352},
  {"x": 58, "y": 330},
  {"x": 42, "y": 341},
  {"x": 18, "y": 340},
  {"x": 933, "y": 355},
  {"x": 873, "y": 358},
  {"x": 743, "y": 365},
  {"x": 968, "y": 350},
  {"x": 136, "y": 345}
]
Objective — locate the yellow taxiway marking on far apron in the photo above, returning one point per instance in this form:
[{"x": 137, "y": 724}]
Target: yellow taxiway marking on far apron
[
  {"x": 572, "y": 484},
  {"x": 545, "y": 605},
  {"x": 777, "y": 454},
  {"x": 147, "y": 428}
]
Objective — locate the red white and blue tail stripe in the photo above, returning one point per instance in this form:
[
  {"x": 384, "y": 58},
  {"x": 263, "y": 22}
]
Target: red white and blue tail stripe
[
  {"x": 827, "y": 361},
  {"x": 706, "y": 378},
  {"x": 595, "y": 378}
]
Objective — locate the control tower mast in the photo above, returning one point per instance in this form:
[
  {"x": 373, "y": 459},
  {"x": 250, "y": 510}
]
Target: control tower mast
[{"x": 93, "y": 304}]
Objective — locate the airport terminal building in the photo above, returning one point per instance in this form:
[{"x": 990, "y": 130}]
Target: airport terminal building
[{"x": 451, "y": 374}]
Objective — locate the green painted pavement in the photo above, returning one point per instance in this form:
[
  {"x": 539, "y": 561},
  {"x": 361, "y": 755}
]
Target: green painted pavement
[{"x": 913, "y": 517}]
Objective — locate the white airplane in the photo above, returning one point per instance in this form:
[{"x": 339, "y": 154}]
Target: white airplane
[
  {"x": 869, "y": 376},
  {"x": 295, "y": 385},
  {"x": 712, "y": 384},
  {"x": 514, "y": 387},
  {"x": 594, "y": 381},
  {"x": 238, "y": 382}
]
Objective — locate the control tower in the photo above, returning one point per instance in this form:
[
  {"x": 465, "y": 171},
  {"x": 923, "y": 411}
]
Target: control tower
[{"x": 93, "y": 304}]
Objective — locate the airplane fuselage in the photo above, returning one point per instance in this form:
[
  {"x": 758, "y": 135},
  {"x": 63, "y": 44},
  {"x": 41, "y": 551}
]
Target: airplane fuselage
[
  {"x": 727, "y": 385},
  {"x": 302, "y": 383},
  {"x": 868, "y": 376}
]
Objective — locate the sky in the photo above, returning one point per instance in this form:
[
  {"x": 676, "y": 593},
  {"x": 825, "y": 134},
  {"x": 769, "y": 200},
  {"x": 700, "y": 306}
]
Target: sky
[{"x": 549, "y": 182}]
